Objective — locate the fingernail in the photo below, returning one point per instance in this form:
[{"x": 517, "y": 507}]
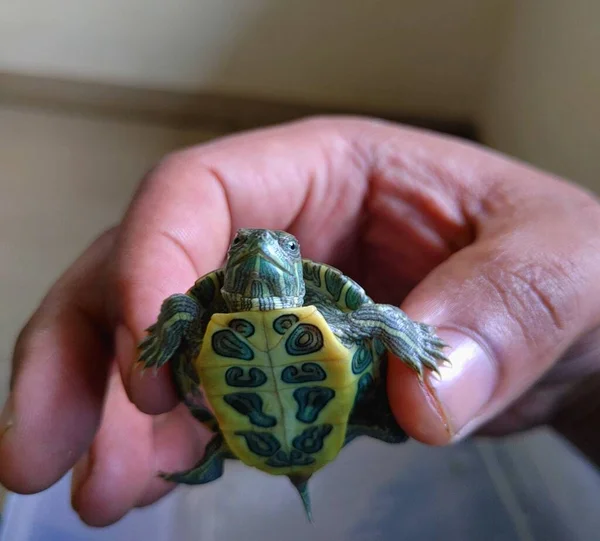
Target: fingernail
[
  {"x": 80, "y": 474},
  {"x": 466, "y": 384},
  {"x": 6, "y": 418}
]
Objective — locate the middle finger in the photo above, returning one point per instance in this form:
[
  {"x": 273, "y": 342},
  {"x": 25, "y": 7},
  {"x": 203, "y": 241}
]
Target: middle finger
[{"x": 120, "y": 471}]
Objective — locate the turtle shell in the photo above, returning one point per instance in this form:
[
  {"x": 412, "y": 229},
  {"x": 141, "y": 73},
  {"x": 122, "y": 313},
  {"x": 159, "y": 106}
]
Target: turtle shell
[
  {"x": 327, "y": 285},
  {"x": 282, "y": 386}
]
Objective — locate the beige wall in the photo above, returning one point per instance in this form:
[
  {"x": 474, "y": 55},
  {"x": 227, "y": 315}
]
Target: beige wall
[
  {"x": 544, "y": 102},
  {"x": 424, "y": 57},
  {"x": 527, "y": 70}
]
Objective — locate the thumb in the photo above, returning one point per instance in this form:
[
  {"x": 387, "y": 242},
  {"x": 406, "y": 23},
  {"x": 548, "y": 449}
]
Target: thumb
[{"x": 509, "y": 306}]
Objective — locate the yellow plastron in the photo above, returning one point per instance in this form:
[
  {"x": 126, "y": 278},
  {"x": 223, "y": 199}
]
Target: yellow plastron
[{"x": 281, "y": 387}]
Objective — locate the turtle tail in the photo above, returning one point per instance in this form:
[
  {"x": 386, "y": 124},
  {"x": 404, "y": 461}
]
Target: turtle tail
[{"x": 301, "y": 484}]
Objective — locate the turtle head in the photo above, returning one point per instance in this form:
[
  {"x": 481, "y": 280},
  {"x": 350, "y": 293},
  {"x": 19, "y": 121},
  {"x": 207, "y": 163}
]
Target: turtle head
[{"x": 263, "y": 271}]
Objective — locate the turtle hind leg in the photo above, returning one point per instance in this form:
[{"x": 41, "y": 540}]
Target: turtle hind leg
[
  {"x": 208, "y": 469},
  {"x": 301, "y": 484},
  {"x": 204, "y": 416},
  {"x": 383, "y": 433},
  {"x": 372, "y": 415}
]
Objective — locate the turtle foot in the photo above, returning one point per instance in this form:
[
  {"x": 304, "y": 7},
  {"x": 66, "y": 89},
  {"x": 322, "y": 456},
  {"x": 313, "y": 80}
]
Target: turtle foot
[
  {"x": 165, "y": 336},
  {"x": 424, "y": 351},
  {"x": 208, "y": 469},
  {"x": 416, "y": 344}
]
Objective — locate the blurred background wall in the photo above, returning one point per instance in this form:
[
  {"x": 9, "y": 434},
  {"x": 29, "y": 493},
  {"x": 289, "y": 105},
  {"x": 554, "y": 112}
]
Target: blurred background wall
[
  {"x": 543, "y": 97},
  {"x": 431, "y": 56},
  {"x": 525, "y": 72}
]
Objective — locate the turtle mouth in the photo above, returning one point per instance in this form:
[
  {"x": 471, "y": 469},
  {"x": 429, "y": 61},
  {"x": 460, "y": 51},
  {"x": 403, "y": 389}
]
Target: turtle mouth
[{"x": 262, "y": 255}]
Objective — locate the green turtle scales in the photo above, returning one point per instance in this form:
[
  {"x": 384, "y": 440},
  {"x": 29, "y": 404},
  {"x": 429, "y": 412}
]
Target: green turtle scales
[{"x": 283, "y": 359}]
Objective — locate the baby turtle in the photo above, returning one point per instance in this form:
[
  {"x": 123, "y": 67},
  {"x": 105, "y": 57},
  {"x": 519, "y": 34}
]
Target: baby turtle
[{"x": 283, "y": 359}]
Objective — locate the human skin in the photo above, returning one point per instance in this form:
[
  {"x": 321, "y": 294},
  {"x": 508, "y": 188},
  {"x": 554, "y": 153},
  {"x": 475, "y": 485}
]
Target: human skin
[{"x": 502, "y": 257}]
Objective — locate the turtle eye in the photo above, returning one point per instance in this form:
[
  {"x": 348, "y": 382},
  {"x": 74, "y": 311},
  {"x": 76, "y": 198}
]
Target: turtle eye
[
  {"x": 289, "y": 244},
  {"x": 236, "y": 241}
]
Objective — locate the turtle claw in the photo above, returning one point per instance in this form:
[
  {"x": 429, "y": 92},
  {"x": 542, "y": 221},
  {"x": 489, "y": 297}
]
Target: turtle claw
[
  {"x": 413, "y": 342},
  {"x": 150, "y": 330},
  {"x": 428, "y": 353},
  {"x": 153, "y": 361},
  {"x": 155, "y": 352},
  {"x": 440, "y": 344},
  {"x": 432, "y": 364},
  {"x": 146, "y": 366}
]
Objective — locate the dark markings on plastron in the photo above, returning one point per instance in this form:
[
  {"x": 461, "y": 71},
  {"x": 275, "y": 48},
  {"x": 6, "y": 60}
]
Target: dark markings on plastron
[
  {"x": 304, "y": 340},
  {"x": 227, "y": 344},
  {"x": 285, "y": 322},
  {"x": 251, "y": 405},
  {"x": 307, "y": 372},
  {"x": 260, "y": 443},
  {"x": 236, "y": 376},
  {"x": 334, "y": 283},
  {"x": 361, "y": 359},
  {"x": 282, "y": 460},
  {"x": 311, "y": 440},
  {"x": 311, "y": 401},
  {"x": 242, "y": 326}
]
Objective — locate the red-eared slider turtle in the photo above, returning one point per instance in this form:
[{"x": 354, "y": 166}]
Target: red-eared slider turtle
[{"x": 283, "y": 359}]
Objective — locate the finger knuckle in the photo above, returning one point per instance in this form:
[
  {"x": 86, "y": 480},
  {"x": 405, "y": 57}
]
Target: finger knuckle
[{"x": 540, "y": 295}]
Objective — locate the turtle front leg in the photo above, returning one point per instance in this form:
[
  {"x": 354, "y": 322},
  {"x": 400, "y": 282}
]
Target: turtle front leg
[
  {"x": 177, "y": 317},
  {"x": 416, "y": 344}
]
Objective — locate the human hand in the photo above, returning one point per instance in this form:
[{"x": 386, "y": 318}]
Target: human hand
[{"x": 503, "y": 258}]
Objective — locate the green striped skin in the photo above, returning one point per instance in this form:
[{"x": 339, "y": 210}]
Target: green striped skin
[
  {"x": 333, "y": 286},
  {"x": 414, "y": 343},
  {"x": 337, "y": 296},
  {"x": 264, "y": 271},
  {"x": 206, "y": 292}
]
